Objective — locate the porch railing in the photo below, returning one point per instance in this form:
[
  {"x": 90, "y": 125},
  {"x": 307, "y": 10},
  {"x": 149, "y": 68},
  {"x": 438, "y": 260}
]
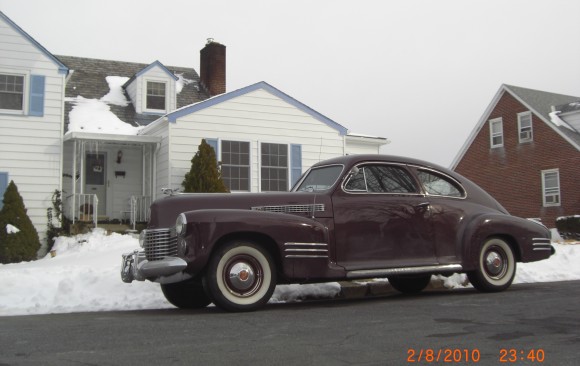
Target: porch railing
[
  {"x": 84, "y": 207},
  {"x": 139, "y": 209}
]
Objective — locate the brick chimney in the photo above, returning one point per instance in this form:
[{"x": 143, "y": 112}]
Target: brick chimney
[{"x": 212, "y": 65}]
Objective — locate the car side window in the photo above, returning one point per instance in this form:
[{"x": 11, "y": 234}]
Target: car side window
[
  {"x": 439, "y": 185},
  {"x": 381, "y": 179}
]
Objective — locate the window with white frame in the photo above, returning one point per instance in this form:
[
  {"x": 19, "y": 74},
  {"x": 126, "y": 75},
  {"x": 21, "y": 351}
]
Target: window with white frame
[
  {"x": 155, "y": 99},
  {"x": 274, "y": 167},
  {"x": 525, "y": 127},
  {"x": 12, "y": 92},
  {"x": 496, "y": 132},
  {"x": 551, "y": 187},
  {"x": 3, "y": 186},
  {"x": 235, "y": 159}
]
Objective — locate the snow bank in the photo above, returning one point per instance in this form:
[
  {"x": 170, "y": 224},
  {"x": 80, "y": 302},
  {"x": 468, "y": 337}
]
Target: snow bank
[{"x": 84, "y": 275}]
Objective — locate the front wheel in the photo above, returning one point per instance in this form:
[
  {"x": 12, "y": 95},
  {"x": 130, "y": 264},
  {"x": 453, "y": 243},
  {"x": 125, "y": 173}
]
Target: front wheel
[
  {"x": 496, "y": 267},
  {"x": 240, "y": 276},
  {"x": 186, "y": 295},
  {"x": 410, "y": 285}
]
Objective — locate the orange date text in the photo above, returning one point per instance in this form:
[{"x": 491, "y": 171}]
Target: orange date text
[{"x": 443, "y": 355}]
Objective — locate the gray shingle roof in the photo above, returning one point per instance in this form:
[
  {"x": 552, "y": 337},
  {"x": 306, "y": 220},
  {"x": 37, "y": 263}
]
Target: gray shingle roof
[
  {"x": 88, "y": 80},
  {"x": 542, "y": 102}
]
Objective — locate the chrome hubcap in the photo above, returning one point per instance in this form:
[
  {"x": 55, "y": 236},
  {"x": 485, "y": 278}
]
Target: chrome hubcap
[
  {"x": 243, "y": 276},
  {"x": 495, "y": 264}
]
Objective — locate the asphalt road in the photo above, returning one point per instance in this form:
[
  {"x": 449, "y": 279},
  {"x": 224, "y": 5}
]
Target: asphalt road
[{"x": 435, "y": 327}]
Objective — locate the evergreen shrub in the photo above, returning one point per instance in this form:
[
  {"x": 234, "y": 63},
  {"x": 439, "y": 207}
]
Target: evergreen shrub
[
  {"x": 16, "y": 246},
  {"x": 204, "y": 175}
]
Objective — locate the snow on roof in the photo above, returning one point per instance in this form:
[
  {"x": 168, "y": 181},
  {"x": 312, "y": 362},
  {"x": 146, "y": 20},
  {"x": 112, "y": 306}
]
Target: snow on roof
[{"x": 94, "y": 115}]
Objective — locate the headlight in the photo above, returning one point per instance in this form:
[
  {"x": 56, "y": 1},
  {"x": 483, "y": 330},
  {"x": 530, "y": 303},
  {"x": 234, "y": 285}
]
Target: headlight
[{"x": 180, "y": 225}]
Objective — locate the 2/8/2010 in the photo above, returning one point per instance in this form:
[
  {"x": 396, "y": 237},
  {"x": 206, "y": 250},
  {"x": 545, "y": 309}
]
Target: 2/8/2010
[{"x": 445, "y": 355}]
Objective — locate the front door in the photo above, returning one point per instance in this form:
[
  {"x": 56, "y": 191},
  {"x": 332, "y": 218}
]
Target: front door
[
  {"x": 96, "y": 179},
  {"x": 382, "y": 220}
]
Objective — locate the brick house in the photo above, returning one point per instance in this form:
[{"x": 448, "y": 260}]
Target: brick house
[{"x": 525, "y": 151}]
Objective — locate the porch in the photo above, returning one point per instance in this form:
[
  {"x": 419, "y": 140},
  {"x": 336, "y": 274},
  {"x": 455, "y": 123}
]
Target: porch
[{"x": 108, "y": 178}]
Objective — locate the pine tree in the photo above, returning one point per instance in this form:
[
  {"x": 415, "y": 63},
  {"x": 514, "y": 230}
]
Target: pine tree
[
  {"x": 204, "y": 175},
  {"x": 16, "y": 246}
]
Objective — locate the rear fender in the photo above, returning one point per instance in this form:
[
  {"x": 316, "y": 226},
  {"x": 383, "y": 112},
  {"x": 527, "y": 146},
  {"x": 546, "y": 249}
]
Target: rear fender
[{"x": 519, "y": 233}]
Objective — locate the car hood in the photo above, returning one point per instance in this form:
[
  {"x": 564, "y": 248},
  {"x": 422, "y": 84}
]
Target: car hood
[{"x": 164, "y": 211}]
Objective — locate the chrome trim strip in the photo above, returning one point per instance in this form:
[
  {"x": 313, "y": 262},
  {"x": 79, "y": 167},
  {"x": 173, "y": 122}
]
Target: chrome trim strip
[
  {"x": 404, "y": 270},
  {"x": 305, "y": 256},
  {"x": 306, "y": 244},
  {"x": 305, "y": 250},
  {"x": 550, "y": 249}
]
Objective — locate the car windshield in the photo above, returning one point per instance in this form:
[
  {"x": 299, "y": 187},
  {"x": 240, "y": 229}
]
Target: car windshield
[{"x": 319, "y": 179}]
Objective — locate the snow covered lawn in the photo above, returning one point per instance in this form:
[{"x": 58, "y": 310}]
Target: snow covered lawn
[{"x": 84, "y": 276}]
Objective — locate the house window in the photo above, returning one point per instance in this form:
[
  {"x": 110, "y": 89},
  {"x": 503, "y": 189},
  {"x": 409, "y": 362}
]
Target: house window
[
  {"x": 274, "y": 167},
  {"x": 12, "y": 92},
  {"x": 236, "y": 165},
  {"x": 155, "y": 95},
  {"x": 525, "y": 127},
  {"x": 496, "y": 132},
  {"x": 3, "y": 186},
  {"x": 551, "y": 187}
]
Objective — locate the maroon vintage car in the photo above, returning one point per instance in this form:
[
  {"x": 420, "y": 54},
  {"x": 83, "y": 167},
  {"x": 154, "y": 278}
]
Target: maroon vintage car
[{"x": 358, "y": 216}]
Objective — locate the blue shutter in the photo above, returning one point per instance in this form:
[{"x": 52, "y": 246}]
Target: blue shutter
[
  {"x": 213, "y": 143},
  {"x": 3, "y": 186},
  {"x": 295, "y": 163},
  {"x": 36, "y": 100}
]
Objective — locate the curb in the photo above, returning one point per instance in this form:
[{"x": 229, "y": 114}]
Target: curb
[{"x": 370, "y": 288}]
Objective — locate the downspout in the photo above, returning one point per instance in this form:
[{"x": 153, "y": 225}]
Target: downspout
[
  {"x": 74, "y": 183},
  {"x": 154, "y": 172}
]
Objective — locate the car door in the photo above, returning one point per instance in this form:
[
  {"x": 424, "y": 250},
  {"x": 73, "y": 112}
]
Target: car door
[
  {"x": 382, "y": 220},
  {"x": 449, "y": 211}
]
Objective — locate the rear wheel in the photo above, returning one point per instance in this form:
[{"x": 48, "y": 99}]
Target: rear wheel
[
  {"x": 186, "y": 295},
  {"x": 241, "y": 276},
  {"x": 410, "y": 284},
  {"x": 496, "y": 267}
]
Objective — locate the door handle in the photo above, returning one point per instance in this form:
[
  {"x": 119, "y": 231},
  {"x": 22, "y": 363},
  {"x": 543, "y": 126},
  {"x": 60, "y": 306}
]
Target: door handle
[{"x": 422, "y": 205}]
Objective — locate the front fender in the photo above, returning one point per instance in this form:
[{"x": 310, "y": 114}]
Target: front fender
[
  {"x": 208, "y": 228},
  {"x": 529, "y": 240}
]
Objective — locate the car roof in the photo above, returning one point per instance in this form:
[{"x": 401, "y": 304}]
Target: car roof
[{"x": 349, "y": 160}]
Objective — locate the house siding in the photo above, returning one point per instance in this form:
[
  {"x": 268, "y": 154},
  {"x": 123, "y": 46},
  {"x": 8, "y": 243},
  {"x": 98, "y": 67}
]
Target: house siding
[
  {"x": 255, "y": 117},
  {"x": 31, "y": 146},
  {"x": 512, "y": 173},
  {"x": 162, "y": 170}
]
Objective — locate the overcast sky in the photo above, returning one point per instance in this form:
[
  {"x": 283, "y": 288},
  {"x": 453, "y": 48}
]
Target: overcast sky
[{"x": 419, "y": 72}]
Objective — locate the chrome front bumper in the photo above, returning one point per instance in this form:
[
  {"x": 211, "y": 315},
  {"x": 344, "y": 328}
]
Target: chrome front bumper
[{"x": 136, "y": 267}]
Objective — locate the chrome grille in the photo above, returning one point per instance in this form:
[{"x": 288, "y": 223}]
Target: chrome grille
[
  {"x": 159, "y": 244},
  {"x": 291, "y": 208}
]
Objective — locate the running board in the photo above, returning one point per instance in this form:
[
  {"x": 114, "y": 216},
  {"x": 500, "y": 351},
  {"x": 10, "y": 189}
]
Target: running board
[{"x": 366, "y": 273}]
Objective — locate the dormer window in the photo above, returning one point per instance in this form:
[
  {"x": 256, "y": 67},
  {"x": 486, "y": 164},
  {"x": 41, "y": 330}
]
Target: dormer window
[
  {"x": 155, "y": 96},
  {"x": 525, "y": 127}
]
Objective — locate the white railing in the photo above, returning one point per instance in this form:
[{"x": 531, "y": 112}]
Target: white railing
[
  {"x": 85, "y": 207},
  {"x": 139, "y": 209}
]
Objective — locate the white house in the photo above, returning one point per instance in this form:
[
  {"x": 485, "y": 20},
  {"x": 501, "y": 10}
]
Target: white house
[
  {"x": 263, "y": 138},
  {"x": 32, "y": 84},
  {"x": 110, "y": 134}
]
